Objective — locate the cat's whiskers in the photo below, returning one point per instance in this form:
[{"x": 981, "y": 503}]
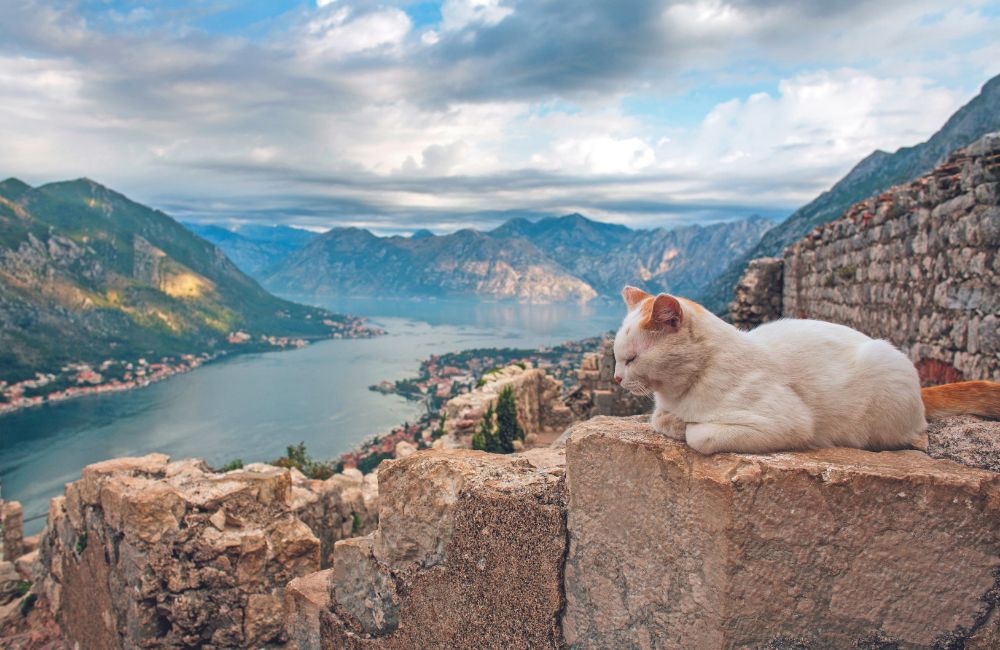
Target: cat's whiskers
[{"x": 636, "y": 388}]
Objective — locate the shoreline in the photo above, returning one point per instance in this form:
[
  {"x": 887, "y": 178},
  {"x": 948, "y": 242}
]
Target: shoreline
[{"x": 88, "y": 382}]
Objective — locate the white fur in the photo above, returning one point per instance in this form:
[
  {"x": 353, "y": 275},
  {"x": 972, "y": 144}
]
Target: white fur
[{"x": 789, "y": 384}]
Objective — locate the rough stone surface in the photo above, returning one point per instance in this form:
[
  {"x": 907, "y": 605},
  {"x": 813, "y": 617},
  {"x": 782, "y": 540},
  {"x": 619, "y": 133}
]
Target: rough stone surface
[
  {"x": 965, "y": 439},
  {"x": 828, "y": 549},
  {"x": 918, "y": 265},
  {"x": 174, "y": 555},
  {"x": 9, "y": 581},
  {"x": 758, "y": 293},
  {"x": 11, "y": 531},
  {"x": 342, "y": 506},
  {"x": 305, "y": 597},
  {"x": 540, "y": 408},
  {"x": 468, "y": 553}
]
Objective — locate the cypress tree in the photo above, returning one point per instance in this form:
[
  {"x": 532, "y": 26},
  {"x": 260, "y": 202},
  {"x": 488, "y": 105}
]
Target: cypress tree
[
  {"x": 486, "y": 438},
  {"x": 508, "y": 428}
]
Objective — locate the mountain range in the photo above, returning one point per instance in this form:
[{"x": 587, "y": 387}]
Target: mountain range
[
  {"x": 875, "y": 174},
  {"x": 87, "y": 274},
  {"x": 568, "y": 258},
  {"x": 254, "y": 248}
]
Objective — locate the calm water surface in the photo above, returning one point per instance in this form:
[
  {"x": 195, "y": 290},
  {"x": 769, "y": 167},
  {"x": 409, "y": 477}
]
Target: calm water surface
[{"x": 253, "y": 406}]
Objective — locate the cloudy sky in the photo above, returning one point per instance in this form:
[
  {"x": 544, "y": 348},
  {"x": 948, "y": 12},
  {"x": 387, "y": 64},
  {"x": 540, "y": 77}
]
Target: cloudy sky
[{"x": 395, "y": 115}]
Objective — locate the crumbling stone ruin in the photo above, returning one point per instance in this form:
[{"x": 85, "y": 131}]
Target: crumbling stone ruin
[
  {"x": 758, "y": 293},
  {"x": 540, "y": 408},
  {"x": 144, "y": 552},
  {"x": 11, "y": 531},
  {"x": 918, "y": 265},
  {"x": 598, "y": 394},
  {"x": 629, "y": 539}
]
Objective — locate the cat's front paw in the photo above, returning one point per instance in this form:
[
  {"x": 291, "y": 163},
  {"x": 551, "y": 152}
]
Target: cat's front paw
[{"x": 668, "y": 424}]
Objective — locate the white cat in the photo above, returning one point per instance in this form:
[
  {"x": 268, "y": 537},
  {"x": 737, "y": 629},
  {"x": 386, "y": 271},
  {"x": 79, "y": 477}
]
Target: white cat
[{"x": 787, "y": 385}]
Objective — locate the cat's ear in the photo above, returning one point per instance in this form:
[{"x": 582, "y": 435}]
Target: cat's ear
[
  {"x": 664, "y": 314},
  {"x": 633, "y": 296}
]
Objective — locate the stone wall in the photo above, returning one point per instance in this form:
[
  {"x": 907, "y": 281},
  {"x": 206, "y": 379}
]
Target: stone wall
[
  {"x": 143, "y": 552},
  {"x": 918, "y": 265},
  {"x": 628, "y": 539}
]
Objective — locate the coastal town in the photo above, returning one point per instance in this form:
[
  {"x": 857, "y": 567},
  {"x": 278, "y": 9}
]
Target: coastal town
[
  {"x": 115, "y": 375},
  {"x": 442, "y": 377}
]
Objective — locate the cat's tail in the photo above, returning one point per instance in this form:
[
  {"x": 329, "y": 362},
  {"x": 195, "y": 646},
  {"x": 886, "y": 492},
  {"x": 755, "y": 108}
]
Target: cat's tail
[{"x": 980, "y": 398}]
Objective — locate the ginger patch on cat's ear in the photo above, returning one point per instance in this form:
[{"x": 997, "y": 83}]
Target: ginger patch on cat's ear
[
  {"x": 633, "y": 296},
  {"x": 663, "y": 314}
]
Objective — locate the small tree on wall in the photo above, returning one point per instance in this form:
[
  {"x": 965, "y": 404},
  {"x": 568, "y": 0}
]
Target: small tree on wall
[
  {"x": 486, "y": 438},
  {"x": 508, "y": 428},
  {"x": 499, "y": 428}
]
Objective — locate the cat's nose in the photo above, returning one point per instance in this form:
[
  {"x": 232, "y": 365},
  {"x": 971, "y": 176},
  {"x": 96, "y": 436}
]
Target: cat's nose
[{"x": 618, "y": 379}]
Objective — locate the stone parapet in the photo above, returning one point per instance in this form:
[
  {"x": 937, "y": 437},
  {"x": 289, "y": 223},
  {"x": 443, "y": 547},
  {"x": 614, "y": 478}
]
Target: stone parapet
[{"x": 826, "y": 549}]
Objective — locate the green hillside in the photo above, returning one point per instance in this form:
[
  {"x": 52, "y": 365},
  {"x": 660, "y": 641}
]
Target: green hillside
[{"x": 87, "y": 274}]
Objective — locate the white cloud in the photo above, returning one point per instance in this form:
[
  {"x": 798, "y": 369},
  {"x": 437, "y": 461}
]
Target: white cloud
[
  {"x": 820, "y": 121},
  {"x": 458, "y": 14},
  {"x": 347, "y": 110},
  {"x": 598, "y": 155},
  {"x": 339, "y": 33}
]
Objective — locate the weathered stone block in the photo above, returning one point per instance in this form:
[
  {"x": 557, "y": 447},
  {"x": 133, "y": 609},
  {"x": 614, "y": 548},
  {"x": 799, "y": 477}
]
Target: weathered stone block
[
  {"x": 826, "y": 549},
  {"x": 305, "y": 597},
  {"x": 468, "y": 553}
]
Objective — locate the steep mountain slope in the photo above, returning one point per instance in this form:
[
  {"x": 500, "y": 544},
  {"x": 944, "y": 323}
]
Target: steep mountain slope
[
  {"x": 86, "y": 274},
  {"x": 876, "y": 173},
  {"x": 254, "y": 249},
  {"x": 553, "y": 259},
  {"x": 354, "y": 262}
]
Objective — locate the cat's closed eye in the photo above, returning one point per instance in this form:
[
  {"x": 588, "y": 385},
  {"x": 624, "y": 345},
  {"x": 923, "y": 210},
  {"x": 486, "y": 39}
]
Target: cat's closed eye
[{"x": 630, "y": 359}]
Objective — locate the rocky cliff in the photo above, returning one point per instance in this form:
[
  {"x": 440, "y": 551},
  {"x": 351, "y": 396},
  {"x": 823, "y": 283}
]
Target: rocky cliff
[
  {"x": 628, "y": 539},
  {"x": 918, "y": 265}
]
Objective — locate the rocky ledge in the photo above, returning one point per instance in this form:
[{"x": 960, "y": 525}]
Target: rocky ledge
[{"x": 628, "y": 539}]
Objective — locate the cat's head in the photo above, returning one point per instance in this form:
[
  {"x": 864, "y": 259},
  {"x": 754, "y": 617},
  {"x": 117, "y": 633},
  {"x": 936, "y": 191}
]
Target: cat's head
[{"x": 654, "y": 346}]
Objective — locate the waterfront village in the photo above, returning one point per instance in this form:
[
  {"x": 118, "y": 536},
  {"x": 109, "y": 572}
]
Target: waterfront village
[
  {"x": 114, "y": 375},
  {"x": 442, "y": 377}
]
